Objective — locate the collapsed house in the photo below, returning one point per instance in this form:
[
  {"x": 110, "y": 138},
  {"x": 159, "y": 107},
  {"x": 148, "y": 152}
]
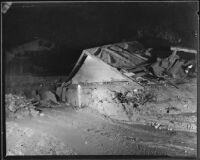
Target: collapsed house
[
  {"x": 120, "y": 82},
  {"x": 127, "y": 82},
  {"x": 100, "y": 67}
]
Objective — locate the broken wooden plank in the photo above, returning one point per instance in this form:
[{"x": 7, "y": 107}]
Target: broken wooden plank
[
  {"x": 183, "y": 49},
  {"x": 127, "y": 52},
  {"x": 122, "y": 58}
]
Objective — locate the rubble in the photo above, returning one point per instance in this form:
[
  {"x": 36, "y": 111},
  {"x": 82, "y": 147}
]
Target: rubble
[
  {"x": 19, "y": 107},
  {"x": 43, "y": 97},
  {"x": 173, "y": 65},
  {"x": 47, "y": 98},
  {"x": 136, "y": 97},
  {"x": 159, "y": 103}
]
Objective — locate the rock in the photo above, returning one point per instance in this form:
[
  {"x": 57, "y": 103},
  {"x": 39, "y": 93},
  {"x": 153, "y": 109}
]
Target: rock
[{"x": 49, "y": 96}]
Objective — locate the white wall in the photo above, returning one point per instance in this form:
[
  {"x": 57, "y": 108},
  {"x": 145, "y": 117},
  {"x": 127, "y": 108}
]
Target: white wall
[{"x": 94, "y": 71}]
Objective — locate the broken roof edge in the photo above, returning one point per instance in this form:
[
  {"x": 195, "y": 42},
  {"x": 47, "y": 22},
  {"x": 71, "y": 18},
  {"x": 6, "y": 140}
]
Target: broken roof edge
[{"x": 72, "y": 73}]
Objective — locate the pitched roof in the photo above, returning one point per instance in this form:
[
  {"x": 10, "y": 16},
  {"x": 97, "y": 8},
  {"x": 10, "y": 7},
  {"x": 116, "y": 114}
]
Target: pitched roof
[{"x": 119, "y": 56}]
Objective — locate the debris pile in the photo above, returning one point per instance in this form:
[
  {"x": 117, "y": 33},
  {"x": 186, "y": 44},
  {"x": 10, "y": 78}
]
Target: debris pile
[
  {"x": 161, "y": 78},
  {"x": 44, "y": 98},
  {"x": 155, "y": 105},
  {"x": 118, "y": 100},
  {"x": 174, "y": 66},
  {"x": 136, "y": 97},
  {"x": 19, "y": 107}
]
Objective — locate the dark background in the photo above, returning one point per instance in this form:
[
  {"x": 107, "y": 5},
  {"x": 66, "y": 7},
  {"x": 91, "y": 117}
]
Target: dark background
[{"x": 77, "y": 26}]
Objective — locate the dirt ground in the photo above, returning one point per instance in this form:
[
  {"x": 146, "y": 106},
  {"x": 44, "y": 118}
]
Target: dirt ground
[
  {"x": 66, "y": 130},
  {"x": 161, "y": 106}
]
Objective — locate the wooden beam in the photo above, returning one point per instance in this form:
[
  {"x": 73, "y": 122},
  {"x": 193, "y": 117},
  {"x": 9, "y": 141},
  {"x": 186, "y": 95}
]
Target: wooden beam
[
  {"x": 116, "y": 54},
  {"x": 183, "y": 49},
  {"x": 127, "y": 52}
]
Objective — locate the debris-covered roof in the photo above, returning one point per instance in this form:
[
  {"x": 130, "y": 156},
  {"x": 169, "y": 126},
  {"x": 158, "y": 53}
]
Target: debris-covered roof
[
  {"x": 120, "y": 55},
  {"x": 131, "y": 60}
]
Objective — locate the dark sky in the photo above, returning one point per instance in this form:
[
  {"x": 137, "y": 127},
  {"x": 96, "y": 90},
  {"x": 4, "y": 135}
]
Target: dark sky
[{"x": 76, "y": 26}]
